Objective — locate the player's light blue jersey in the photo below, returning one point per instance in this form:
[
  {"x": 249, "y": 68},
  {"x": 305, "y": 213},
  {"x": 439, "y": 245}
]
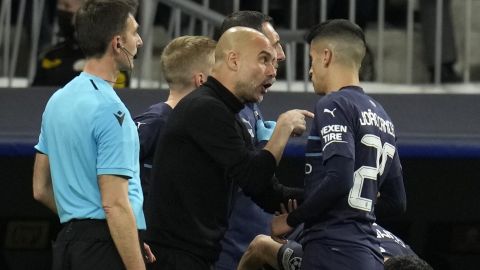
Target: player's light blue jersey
[{"x": 87, "y": 131}]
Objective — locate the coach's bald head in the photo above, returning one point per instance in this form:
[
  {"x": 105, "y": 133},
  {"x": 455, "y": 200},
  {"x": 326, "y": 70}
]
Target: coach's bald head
[
  {"x": 244, "y": 63},
  {"x": 237, "y": 38}
]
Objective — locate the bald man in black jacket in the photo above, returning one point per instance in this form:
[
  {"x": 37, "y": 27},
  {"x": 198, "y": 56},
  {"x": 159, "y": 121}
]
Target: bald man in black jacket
[{"x": 205, "y": 149}]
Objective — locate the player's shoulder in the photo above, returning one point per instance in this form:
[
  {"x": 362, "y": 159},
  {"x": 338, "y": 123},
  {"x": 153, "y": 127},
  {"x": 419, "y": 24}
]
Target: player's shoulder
[
  {"x": 335, "y": 100},
  {"x": 159, "y": 108},
  {"x": 352, "y": 94},
  {"x": 345, "y": 94},
  {"x": 355, "y": 97},
  {"x": 156, "y": 111}
]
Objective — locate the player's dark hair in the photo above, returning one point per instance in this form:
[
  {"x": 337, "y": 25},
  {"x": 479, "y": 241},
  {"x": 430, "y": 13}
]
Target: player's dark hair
[
  {"x": 336, "y": 28},
  {"x": 247, "y": 18},
  {"x": 98, "y": 21},
  {"x": 410, "y": 262},
  {"x": 349, "y": 39}
]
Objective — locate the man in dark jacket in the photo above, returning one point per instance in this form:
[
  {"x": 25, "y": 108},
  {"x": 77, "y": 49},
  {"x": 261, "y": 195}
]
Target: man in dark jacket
[{"x": 206, "y": 149}]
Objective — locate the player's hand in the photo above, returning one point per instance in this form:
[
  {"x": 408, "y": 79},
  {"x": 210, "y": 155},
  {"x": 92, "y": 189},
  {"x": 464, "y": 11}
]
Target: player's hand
[
  {"x": 280, "y": 228},
  {"x": 265, "y": 129},
  {"x": 149, "y": 256},
  {"x": 292, "y": 205},
  {"x": 295, "y": 120}
]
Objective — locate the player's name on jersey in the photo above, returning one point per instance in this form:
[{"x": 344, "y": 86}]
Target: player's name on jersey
[
  {"x": 370, "y": 118},
  {"x": 381, "y": 234}
]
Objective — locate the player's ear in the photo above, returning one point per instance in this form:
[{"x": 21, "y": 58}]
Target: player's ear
[
  {"x": 327, "y": 57},
  {"x": 199, "y": 79}
]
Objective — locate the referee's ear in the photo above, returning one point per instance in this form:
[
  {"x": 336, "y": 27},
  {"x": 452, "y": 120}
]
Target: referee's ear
[{"x": 116, "y": 43}]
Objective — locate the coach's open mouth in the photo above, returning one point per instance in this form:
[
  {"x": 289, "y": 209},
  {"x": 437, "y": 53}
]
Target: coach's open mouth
[{"x": 267, "y": 85}]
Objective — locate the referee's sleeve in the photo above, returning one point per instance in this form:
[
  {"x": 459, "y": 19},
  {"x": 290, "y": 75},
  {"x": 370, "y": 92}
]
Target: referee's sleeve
[
  {"x": 41, "y": 146},
  {"x": 115, "y": 141}
]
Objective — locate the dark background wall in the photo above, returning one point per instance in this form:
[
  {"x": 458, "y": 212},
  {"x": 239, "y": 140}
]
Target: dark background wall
[{"x": 438, "y": 139}]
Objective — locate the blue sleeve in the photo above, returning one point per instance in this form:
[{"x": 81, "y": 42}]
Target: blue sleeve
[
  {"x": 393, "y": 199},
  {"x": 336, "y": 183},
  {"x": 249, "y": 119},
  {"x": 149, "y": 126},
  {"x": 42, "y": 142},
  {"x": 250, "y": 115},
  {"x": 115, "y": 141},
  {"x": 335, "y": 128}
]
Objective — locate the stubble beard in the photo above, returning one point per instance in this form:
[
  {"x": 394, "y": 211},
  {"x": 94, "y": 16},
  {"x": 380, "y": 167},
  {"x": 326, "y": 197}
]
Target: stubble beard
[{"x": 247, "y": 92}]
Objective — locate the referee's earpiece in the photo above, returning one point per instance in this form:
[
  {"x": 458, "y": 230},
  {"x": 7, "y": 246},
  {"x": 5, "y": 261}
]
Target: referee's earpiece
[{"x": 120, "y": 46}]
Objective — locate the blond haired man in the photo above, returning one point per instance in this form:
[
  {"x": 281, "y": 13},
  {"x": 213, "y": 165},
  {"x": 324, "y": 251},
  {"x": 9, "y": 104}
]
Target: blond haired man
[{"x": 186, "y": 63}]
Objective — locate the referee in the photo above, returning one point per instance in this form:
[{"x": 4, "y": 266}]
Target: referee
[{"x": 86, "y": 167}]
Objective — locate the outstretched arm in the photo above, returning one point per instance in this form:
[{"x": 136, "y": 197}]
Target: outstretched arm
[{"x": 289, "y": 123}]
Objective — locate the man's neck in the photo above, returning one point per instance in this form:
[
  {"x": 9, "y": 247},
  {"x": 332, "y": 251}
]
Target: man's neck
[
  {"x": 103, "y": 68},
  {"x": 227, "y": 79},
  {"x": 341, "y": 78},
  {"x": 177, "y": 94}
]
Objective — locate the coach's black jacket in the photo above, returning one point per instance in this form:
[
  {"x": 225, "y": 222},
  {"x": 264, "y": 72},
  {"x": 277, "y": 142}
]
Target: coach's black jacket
[{"x": 204, "y": 150}]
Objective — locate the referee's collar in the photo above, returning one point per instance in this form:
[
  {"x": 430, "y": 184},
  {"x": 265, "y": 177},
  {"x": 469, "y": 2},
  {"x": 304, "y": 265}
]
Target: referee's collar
[{"x": 99, "y": 81}]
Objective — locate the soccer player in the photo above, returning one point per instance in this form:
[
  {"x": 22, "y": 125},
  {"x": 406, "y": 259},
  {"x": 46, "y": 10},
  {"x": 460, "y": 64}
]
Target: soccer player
[
  {"x": 186, "y": 63},
  {"x": 86, "y": 167},
  {"x": 264, "y": 252},
  {"x": 351, "y": 156}
]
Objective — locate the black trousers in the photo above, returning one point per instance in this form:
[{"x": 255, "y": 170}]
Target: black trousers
[
  {"x": 85, "y": 244},
  {"x": 174, "y": 259}
]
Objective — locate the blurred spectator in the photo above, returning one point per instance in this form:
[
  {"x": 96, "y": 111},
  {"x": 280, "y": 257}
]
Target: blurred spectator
[
  {"x": 61, "y": 62},
  {"x": 47, "y": 21},
  {"x": 366, "y": 11},
  {"x": 428, "y": 13}
]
